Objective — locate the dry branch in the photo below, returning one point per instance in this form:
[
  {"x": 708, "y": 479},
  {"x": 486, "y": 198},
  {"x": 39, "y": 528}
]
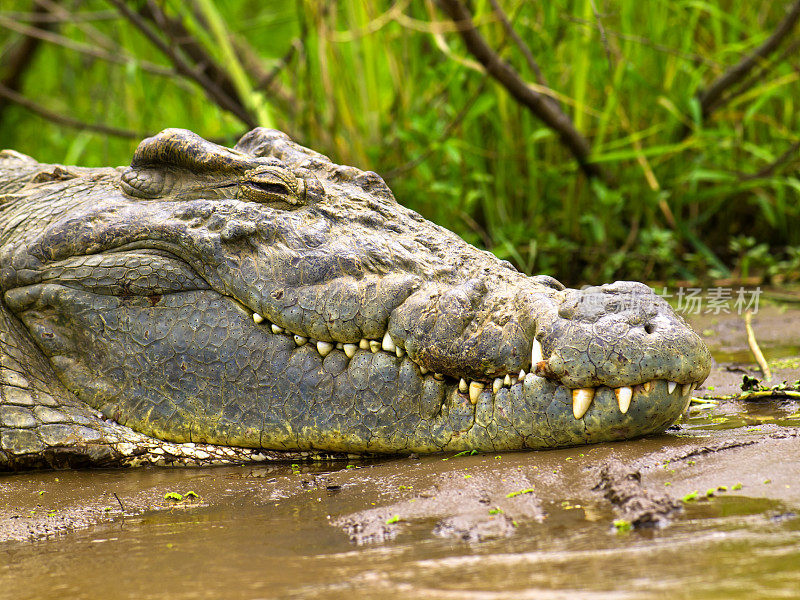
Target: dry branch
[
  {"x": 713, "y": 98},
  {"x": 45, "y": 113},
  {"x": 213, "y": 89},
  {"x": 536, "y": 103}
]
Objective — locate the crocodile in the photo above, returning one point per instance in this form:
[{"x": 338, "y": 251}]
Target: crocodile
[{"x": 209, "y": 304}]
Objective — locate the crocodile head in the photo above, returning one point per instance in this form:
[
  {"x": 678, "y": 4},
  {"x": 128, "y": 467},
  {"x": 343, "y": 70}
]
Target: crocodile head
[{"x": 263, "y": 296}]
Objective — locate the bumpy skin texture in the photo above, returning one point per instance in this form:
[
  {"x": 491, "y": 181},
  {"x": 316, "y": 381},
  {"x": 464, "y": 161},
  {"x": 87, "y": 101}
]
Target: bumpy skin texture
[{"x": 128, "y": 301}]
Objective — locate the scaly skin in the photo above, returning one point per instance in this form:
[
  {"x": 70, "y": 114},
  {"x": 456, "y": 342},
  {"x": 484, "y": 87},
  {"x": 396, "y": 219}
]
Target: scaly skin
[{"x": 209, "y": 304}]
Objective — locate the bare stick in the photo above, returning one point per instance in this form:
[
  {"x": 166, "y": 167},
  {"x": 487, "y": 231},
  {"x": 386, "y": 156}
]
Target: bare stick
[
  {"x": 784, "y": 158},
  {"x": 20, "y": 57},
  {"x": 537, "y": 103},
  {"x": 211, "y": 88},
  {"x": 712, "y": 97},
  {"x": 751, "y": 341},
  {"x": 60, "y": 40},
  {"x": 38, "y": 109}
]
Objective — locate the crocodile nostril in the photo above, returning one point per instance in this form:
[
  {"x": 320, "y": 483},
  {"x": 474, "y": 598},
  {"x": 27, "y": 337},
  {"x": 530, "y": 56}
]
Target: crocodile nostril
[{"x": 649, "y": 328}]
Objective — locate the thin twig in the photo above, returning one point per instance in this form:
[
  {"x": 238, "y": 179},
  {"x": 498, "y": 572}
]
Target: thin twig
[
  {"x": 38, "y": 109},
  {"x": 211, "y": 88},
  {"x": 60, "y": 40},
  {"x": 711, "y": 96},
  {"x": 643, "y": 41},
  {"x": 603, "y": 37},
  {"x": 20, "y": 57},
  {"x": 67, "y": 17},
  {"x": 751, "y": 341},
  {"x": 521, "y": 45},
  {"x": 537, "y": 103},
  {"x": 771, "y": 167}
]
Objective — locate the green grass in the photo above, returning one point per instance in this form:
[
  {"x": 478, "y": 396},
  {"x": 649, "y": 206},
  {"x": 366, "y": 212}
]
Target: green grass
[{"x": 381, "y": 94}]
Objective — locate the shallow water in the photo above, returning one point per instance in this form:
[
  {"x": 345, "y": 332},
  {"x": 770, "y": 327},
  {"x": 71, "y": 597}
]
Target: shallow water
[{"x": 735, "y": 547}]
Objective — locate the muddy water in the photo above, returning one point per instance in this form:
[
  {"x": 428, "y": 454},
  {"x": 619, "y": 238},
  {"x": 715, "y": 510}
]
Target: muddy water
[{"x": 435, "y": 527}]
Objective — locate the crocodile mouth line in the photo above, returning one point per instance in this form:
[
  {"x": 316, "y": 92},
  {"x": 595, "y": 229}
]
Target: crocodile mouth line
[{"x": 581, "y": 397}]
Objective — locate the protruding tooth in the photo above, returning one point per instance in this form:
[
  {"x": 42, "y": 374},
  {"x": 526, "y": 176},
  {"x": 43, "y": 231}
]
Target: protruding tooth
[
  {"x": 399, "y": 352},
  {"x": 462, "y": 386},
  {"x": 438, "y": 376},
  {"x": 324, "y": 348},
  {"x": 388, "y": 343},
  {"x": 507, "y": 380},
  {"x": 374, "y": 345},
  {"x": 671, "y": 385},
  {"x": 475, "y": 389},
  {"x": 497, "y": 384},
  {"x": 522, "y": 374},
  {"x": 300, "y": 340},
  {"x": 647, "y": 385},
  {"x": 339, "y": 345},
  {"x": 686, "y": 388},
  {"x": 364, "y": 344},
  {"x": 258, "y": 318},
  {"x": 276, "y": 330},
  {"x": 624, "y": 395},
  {"x": 536, "y": 353},
  {"x": 581, "y": 400},
  {"x": 350, "y": 350},
  {"x": 423, "y": 370}
]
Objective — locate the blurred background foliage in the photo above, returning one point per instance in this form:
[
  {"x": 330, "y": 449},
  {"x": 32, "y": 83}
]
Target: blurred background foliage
[{"x": 689, "y": 190}]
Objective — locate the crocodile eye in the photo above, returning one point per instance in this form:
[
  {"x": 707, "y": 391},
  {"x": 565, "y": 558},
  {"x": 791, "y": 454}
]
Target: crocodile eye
[{"x": 271, "y": 184}]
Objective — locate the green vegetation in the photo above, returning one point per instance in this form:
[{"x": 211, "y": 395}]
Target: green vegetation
[
  {"x": 520, "y": 492},
  {"x": 622, "y": 526},
  {"x": 689, "y": 188}
]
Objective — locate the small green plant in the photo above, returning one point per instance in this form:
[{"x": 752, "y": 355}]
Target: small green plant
[
  {"x": 495, "y": 511},
  {"x": 691, "y": 496},
  {"x": 392, "y": 520},
  {"x": 174, "y": 496},
  {"x": 736, "y": 486},
  {"x": 622, "y": 526},
  {"x": 529, "y": 490}
]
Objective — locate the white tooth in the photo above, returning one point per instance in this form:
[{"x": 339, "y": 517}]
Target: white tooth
[
  {"x": 581, "y": 400},
  {"x": 475, "y": 389},
  {"x": 276, "y": 330},
  {"x": 624, "y": 395},
  {"x": 399, "y": 352},
  {"x": 374, "y": 345},
  {"x": 438, "y": 376},
  {"x": 522, "y": 374},
  {"x": 671, "y": 385},
  {"x": 388, "y": 343},
  {"x": 462, "y": 386},
  {"x": 300, "y": 340},
  {"x": 423, "y": 370},
  {"x": 324, "y": 348},
  {"x": 497, "y": 384},
  {"x": 364, "y": 344},
  {"x": 536, "y": 353},
  {"x": 258, "y": 318},
  {"x": 339, "y": 345},
  {"x": 507, "y": 380},
  {"x": 514, "y": 380},
  {"x": 686, "y": 388},
  {"x": 647, "y": 385},
  {"x": 350, "y": 350}
]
